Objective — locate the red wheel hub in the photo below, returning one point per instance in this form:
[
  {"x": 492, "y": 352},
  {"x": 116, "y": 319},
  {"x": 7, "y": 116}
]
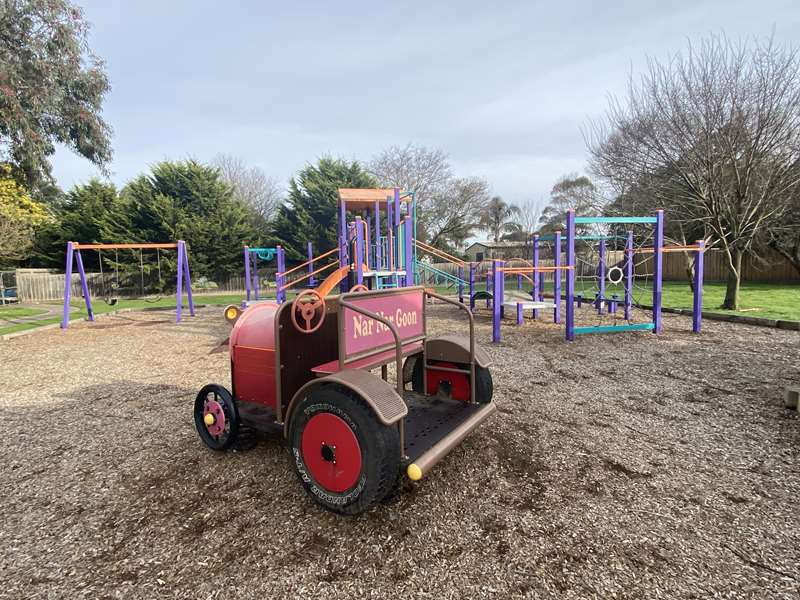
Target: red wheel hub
[
  {"x": 213, "y": 408},
  {"x": 458, "y": 382},
  {"x": 331, "y": 452}
]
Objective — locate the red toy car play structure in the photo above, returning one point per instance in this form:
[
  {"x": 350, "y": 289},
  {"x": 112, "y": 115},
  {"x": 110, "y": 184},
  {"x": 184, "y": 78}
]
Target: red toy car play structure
[{"x": 305, "y": 367}]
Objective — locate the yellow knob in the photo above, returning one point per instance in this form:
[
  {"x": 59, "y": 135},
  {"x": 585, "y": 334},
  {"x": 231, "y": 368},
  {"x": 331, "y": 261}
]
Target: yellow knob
[
  {"x": 209, "y": 419},
  {"x": 414, "y": 472}
]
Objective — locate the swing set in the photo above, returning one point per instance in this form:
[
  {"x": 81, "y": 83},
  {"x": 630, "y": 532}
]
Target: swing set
[{"x": 111, "y": 298}]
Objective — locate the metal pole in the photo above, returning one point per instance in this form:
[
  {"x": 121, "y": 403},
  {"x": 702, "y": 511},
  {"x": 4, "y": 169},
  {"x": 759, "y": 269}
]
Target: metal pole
[
  {"x": 67, "y": 286},
  {"x": 408, "y": 250},
  {"x": 256, "y": 278},
  {"x": 498, "y": 281},
  {"x": 471, "y": 287},
  {"x": 629, "y": 274},
  {"x": 601, "y": 271},
  {"x": 187, "y": 276},
  {"x": 697, "y": 304},
  {"x": 534, "y": 275},
  {"x": 247, "y": 272},
  {"x": 359, "y": 252},
  {"x": 557, "y": 278},
  {"x": 312, "y": 282},
  {"x": 84, "y": 285},
  {"x": 179, "y": 285},
  {"x": 343, "y": 249},
  {"x": 570, "y": 306},
  {"x": 461, "y": 284},
  {"x": 658, "y": 256},
  {"x": 280, "y": 279},
  {"x": 378, "y": 263}
]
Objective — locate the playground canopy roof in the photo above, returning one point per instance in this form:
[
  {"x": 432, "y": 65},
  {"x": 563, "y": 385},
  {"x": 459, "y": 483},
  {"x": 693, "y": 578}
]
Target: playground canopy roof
[{"x": 360, "y": 198}]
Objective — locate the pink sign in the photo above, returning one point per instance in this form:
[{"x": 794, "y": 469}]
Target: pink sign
[{"x": 404, "y": 310}]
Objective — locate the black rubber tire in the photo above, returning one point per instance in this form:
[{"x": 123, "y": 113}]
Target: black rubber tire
[
  {"x": 224, "y": 398},
  {"x": 380, "y": 451},
  {"x": 484, "y": 386}
]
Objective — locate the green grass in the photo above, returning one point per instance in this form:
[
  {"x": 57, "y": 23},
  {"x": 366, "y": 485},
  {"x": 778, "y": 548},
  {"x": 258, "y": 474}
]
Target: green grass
[
  {"x": 101, "y": 307},
  {"x": 771, "y": 301},
  {"x": 17, "y": 312}
]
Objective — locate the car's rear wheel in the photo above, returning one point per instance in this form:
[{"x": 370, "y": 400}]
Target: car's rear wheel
[
  {"x": 449, "y": 383},
  {"x": 346, "y": 458}
]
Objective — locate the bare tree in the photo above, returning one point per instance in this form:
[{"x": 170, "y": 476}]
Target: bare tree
[
  {"x": 713, "y": 133},
  {"x": 530, "y": 213},
  {"x": 453, "y": 214},
  {"x": 784, "y": 233},
  {"x": 251, "y": 185},
  {"x": 424, "y": 171},
  {"x": 570, "y": 192}
]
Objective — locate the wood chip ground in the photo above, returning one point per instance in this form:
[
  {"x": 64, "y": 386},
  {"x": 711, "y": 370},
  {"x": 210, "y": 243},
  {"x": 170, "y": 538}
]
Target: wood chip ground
[{"x": 627, "y": 466}]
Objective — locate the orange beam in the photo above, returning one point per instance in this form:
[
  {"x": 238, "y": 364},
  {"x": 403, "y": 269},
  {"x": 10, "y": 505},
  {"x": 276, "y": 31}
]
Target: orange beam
[
  {"x": 523, "y": 270},
  {"x": 669, "y": 249},
  {"x": 78, "y": 246},
  {"x": 304, "y": 277},
  {"x": 301, "y": 265},
  {"x": 439, "y": 253}
]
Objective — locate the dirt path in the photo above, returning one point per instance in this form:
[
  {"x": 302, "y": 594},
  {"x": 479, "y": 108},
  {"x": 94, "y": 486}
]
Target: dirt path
[{"x": 634, "y": 465}]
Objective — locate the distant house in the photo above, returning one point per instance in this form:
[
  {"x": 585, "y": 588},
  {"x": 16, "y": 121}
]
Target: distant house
[{"x": 478, "y": 251}]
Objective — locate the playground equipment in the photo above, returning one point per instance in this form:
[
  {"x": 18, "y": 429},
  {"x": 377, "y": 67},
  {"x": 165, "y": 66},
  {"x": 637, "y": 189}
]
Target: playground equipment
[
  {"x": 303, "y": 368},
  {"x": 251, "y": 279},
  {"x": 74, "y": 250},
  {"x": 375, "y": 249},
  {"x": 589, "y": 264}
]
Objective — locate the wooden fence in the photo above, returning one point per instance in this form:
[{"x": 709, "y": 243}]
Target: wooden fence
[
  {"x": 47, "y": 285},
  {"x": 774, "y": 268}
]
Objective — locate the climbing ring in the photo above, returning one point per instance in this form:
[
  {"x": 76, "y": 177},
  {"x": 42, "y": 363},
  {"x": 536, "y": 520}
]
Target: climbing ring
[
  {"x": 359, "y": 287},
  {"x": 310, "y": 306},
  {"x": 614, "y": 275}
]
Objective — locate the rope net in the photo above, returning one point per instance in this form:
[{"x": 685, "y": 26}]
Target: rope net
[{"x": 601, "y": 275}]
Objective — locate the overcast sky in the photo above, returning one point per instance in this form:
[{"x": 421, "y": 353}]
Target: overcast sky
[{"x": 502, "y": 87}]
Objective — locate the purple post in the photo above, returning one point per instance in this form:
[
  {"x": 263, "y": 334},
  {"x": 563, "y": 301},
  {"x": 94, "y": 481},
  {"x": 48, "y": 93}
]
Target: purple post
[
  {"x": 392, "y": 235},
  {"x": 397, "y": 207},
  {"x": 407, "y": 250},
  {"x": 280, "y": 278},
  {"x": 498, "y": 283},
  {"x": 179, "y": 285},
  {"x": 629, "y": 275},
  {"x": 601, "y": 272},
  {"x": 359, "y": 252},
  {"x": 187, "y": 277},
  {"x": 557, "y": 278},
  {"x": 247, "y": 272},
  {"x": 658, "y": 256},
  {"x": 67, "y": 286},
  {"x": 378, "y": 263},
  {"x": 461, "y": 285},
  {"x": 256, "y": 278},
  {"x": 312, "y": 281},
  {"x": 472, "y": 287},
  {"x": 570, "y": 307},
  {"x": 519, "y": 282},
  {"x": 84, "y": 285},
  {"x": 534, "y": 274},
  {"x": 519, "y": 313},
  {"x": 697, "y": 304},
  {"x": 343, "y": 242}
]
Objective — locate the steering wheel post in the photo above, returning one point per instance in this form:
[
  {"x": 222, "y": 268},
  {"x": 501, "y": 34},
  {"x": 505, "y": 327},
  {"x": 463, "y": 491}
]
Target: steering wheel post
[{"x": 308, "y": 305}]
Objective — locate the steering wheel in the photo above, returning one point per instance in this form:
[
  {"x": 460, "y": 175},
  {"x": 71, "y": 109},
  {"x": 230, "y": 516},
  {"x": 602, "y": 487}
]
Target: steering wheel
[
  {"x": 309, "y": 304},
  {"x": 359, "y": 287}
]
